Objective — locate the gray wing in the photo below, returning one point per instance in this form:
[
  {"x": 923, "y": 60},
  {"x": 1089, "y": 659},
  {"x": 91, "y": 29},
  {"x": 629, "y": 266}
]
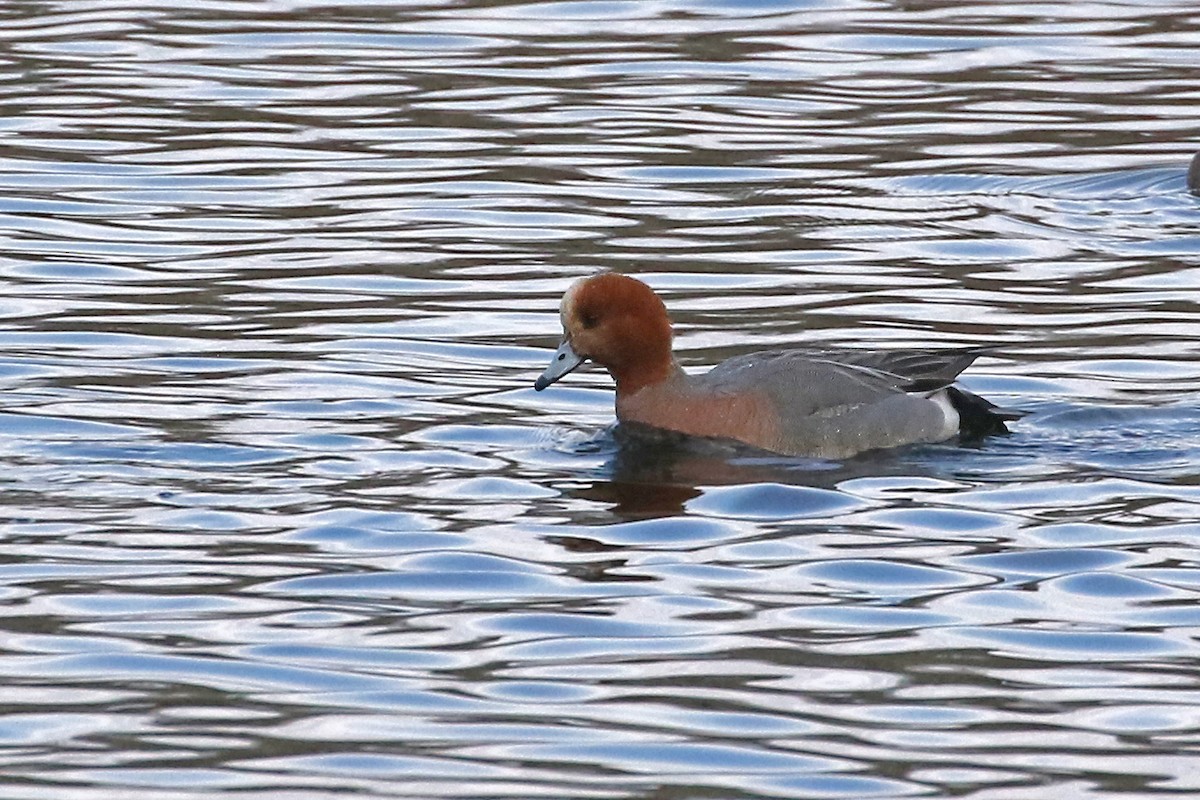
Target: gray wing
[
  {"x": 915, "y": 370},
  {"x": 834, "y": 378},
  {"x": 807, "y": 382},
  {"x": 837, "y": 403}
]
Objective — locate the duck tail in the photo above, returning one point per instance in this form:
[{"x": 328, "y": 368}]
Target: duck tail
[{"x": 978, "y": 417}]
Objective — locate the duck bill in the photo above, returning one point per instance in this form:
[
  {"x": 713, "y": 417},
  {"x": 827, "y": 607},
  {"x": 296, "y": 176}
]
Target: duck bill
[{"x": 565, "y": 360}]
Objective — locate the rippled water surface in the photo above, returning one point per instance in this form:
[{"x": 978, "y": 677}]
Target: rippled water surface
[{"x": 284, "y": 517}]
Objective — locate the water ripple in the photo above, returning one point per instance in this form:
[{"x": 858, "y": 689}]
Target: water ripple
[{"x": 283, "y": 514}]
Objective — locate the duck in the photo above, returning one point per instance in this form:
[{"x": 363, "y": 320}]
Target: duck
[{"x": 820, "y": 403}]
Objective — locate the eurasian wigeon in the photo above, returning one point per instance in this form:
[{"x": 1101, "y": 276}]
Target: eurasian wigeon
[{"x": 818, "y": 403}]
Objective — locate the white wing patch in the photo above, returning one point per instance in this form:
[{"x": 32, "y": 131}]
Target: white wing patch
[{"x": 949, "y": 412}]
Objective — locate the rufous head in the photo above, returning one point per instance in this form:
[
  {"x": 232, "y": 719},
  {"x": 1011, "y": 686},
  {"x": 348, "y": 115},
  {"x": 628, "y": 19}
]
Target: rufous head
[{"x": 617, "y": 322}]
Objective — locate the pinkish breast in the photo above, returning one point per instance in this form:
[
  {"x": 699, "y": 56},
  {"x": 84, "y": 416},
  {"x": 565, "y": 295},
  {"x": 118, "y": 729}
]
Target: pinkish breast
[{"x": 676, "y": 405}]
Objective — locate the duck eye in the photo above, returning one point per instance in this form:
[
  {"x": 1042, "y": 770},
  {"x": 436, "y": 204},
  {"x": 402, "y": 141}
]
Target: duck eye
[{"x": 588, "y": 320}]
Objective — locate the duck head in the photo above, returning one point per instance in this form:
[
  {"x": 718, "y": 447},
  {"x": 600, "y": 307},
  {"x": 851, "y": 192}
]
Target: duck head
[{"x": 617, "y": 322}]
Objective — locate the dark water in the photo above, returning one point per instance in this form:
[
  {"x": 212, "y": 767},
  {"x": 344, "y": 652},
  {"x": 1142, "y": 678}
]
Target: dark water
[{"x": 284, "y": 517}]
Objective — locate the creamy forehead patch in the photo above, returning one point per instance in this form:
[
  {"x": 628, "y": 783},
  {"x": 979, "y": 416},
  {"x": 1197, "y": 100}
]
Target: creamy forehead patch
[{"x": 568, "y": 301}]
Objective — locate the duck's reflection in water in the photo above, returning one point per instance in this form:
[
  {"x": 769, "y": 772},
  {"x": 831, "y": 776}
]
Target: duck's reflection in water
[{"x": 654, "y": 473}]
